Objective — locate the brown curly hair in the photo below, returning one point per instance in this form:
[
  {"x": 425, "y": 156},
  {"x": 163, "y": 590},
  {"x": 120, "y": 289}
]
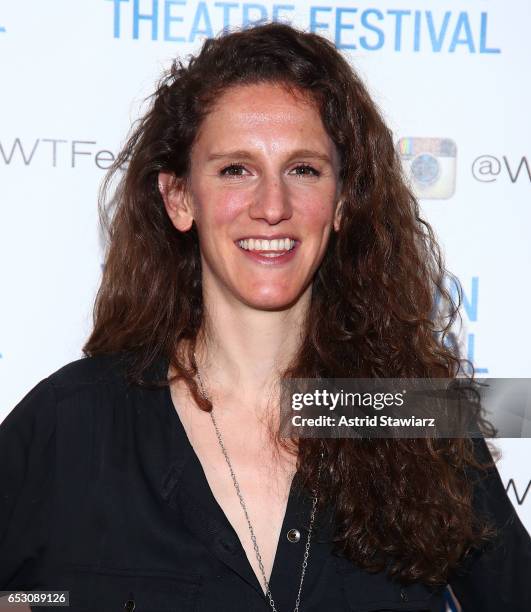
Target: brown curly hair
[{"x": 379, "y": 308}]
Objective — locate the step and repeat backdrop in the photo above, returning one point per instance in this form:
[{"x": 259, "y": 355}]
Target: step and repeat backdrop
[{"x": 451, "y": 78}]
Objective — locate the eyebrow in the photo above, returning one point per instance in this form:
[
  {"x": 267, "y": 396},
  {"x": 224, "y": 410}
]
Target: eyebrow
[{"x": 243, "y": 154}]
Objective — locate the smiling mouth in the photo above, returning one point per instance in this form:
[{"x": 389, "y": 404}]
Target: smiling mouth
[{"x": 267, "y": 248}]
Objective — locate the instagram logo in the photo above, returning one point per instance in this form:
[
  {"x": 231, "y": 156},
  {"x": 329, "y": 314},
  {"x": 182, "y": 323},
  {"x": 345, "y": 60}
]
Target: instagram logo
[{"x": 429, "y": 164}]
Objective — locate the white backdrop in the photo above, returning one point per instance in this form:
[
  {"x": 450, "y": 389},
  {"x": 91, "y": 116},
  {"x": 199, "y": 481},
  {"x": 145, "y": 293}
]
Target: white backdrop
[{"x": 74, "y": 73}]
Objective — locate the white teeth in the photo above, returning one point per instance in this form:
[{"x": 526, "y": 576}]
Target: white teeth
[{"x": 252, "y": 244}]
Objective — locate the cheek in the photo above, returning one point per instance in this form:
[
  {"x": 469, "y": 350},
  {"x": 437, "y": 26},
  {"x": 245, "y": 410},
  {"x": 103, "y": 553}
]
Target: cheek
[
  {"x": 219, "y": 207},
  {"x": 228, "y": 207},
  {"x": 317, "y": 213}
]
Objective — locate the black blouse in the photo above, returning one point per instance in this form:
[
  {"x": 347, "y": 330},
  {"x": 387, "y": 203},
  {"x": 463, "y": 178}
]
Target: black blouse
[{"x": 104, "y": 496}]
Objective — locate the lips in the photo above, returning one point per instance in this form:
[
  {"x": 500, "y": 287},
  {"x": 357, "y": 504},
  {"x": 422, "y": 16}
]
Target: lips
[{"x": 272, "y": 251}]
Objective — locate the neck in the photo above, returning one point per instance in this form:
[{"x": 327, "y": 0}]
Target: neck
[{"x": 243, "y": 351}]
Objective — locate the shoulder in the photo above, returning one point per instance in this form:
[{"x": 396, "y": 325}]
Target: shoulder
[
  {"x": 84, "y": 377},
  {"x": 495, "y": 574},
  {"x": 89, "y": 371}
]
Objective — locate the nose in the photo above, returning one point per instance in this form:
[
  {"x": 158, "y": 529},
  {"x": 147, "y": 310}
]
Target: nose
[{"x": 271, "y": 201}]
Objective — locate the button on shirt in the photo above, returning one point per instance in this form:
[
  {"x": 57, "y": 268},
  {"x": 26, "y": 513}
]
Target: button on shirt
[
  {"x": 103, "y": 496},
  {"x": 294, "y": 535}
]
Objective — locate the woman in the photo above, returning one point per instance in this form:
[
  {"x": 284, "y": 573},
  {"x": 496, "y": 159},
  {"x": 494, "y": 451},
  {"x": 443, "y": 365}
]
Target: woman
[{"x": 261, "y": 230}]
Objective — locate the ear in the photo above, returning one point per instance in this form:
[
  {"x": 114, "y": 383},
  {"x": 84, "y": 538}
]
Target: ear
[
  {"x": 337, "y": 215},
  {"x": 176, "y": 200}
]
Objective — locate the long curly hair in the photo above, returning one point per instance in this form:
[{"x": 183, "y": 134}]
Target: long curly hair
[{"x": 380, "y": 306}]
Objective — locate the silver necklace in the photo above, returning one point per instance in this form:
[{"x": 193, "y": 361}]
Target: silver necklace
[{"x": 244, "y": 508}]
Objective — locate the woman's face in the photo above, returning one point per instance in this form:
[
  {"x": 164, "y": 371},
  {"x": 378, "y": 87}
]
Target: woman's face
[{"x": 262, "y": 190}]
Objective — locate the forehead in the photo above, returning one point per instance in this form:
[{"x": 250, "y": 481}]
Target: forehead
[{"x": 266, "y": 115}]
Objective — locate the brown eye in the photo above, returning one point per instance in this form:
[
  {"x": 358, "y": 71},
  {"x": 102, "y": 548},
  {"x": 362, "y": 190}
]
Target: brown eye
[
  {"x": 306, "y": 170},
  {"x": 232, "y": 170}
]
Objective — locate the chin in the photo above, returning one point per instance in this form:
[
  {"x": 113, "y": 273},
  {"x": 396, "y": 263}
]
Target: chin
[{"x": 271, "y": 300}]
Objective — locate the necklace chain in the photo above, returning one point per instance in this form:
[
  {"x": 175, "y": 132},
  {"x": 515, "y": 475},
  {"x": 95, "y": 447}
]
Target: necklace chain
[{"x": 244, "y": 508}]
